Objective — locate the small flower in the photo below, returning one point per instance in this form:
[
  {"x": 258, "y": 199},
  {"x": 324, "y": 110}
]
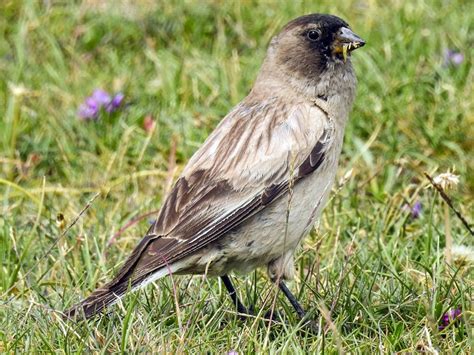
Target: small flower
[
  {"x": 100, "y": 97},
  {"x": 451, "y": 316},
  {"x": 232, "y": 352},
  {"x": 18, "y": 90},
  {"x": 99, "y": 100},
  {"x": 149, "y": 124},
  {"x": 415, "y": 210},
  {"x": 463, "y": 254},
  {"x": 115, "y": 103},
  {"x": 453, "y": 57},
  {"x": 88, "y": 111},
  {"x": 446, "y": 180}
]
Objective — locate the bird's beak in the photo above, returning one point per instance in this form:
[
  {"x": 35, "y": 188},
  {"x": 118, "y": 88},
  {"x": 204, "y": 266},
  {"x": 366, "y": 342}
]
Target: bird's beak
[{"x": 345, "y": 42}]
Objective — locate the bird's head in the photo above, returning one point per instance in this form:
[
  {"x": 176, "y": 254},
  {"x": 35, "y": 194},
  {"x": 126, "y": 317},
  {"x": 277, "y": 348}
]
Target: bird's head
[{"x": 310, "y": 44}]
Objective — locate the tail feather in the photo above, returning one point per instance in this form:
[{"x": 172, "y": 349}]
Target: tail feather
[
  {"x": 96, "y": 302},
  {"x": 113, "y": 291}
]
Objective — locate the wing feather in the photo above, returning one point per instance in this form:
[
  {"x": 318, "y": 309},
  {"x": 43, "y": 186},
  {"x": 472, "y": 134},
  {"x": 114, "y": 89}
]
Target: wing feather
[{"x": 239, "y": 170}]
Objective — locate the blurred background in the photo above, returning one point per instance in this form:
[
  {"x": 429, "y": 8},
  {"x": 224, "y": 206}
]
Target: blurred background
[{"x": 113, "y": 97}]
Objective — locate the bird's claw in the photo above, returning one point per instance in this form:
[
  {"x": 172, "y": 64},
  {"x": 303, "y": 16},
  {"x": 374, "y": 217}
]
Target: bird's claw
[
  {"x": 273, "y": 316},
  {"x": 311, "y": 326}
]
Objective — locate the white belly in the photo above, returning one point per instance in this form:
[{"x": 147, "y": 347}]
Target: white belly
[
  {"x": 279, "y": 228},
  {"x": 272, "y": 233}
]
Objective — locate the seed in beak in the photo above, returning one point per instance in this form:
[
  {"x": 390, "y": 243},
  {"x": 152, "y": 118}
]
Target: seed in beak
[{"x": 345, "y": 47}]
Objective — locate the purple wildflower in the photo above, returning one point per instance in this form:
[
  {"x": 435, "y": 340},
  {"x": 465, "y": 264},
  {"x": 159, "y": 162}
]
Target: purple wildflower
[
  {"x": 232, "y": 352},
  {"x": 115, "y": 103},
  {"x": 453, "y": 57},
  {"x": 415, "y": 210},
  {"x": 99, "y": 99},
  {"x": 88, "y": 111},
  {"x": 449, "y": 317}
]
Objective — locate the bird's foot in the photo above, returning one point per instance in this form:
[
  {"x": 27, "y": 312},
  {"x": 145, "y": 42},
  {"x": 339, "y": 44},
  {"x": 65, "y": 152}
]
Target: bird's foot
[
  {"x": 311, "y": 326},
  {"x": 273, "y": 316}
]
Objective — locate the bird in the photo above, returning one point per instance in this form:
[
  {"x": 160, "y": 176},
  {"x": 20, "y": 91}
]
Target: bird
[{"x": 259, "y": 182}]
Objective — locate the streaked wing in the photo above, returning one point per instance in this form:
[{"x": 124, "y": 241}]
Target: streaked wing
[{"x": 248, "y": 162}]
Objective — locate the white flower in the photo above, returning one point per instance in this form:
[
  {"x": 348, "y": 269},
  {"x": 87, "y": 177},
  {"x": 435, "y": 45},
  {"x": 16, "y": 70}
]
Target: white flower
[
  {"x": 446, "y": 180},
  {"x": 463, "y": 254},
  {"x": 17, "y": 90}
]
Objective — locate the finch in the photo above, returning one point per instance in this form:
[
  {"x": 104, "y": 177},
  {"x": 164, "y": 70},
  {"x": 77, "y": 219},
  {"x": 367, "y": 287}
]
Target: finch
[{"x": 259, "y": 182}]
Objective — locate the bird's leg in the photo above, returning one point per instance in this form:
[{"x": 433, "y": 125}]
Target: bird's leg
[
  {"x": 241, "y": 309},
  {"x": 292, "y": 299},
  {"x": 294, "y": 302}
]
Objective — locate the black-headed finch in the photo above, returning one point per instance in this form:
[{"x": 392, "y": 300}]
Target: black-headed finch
[{"x": 259, "y": 182}]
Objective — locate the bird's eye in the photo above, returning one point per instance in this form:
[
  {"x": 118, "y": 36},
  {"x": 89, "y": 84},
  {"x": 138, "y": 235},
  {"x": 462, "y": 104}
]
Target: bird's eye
[{"x": 313, "y": 35}]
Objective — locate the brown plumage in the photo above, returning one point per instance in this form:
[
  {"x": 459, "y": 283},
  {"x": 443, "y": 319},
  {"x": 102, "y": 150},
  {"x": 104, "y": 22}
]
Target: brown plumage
[{"x": 230, "y": 210}]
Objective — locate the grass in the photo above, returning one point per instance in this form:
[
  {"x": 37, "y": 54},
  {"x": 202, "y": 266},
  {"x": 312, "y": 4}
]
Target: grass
[{"x": 374, "y": 278}]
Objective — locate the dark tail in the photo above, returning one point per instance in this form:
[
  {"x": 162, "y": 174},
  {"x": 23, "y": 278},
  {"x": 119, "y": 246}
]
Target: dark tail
[
  {"x": 96, "y": 302},
  {"x": 123, "y": 282}
]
